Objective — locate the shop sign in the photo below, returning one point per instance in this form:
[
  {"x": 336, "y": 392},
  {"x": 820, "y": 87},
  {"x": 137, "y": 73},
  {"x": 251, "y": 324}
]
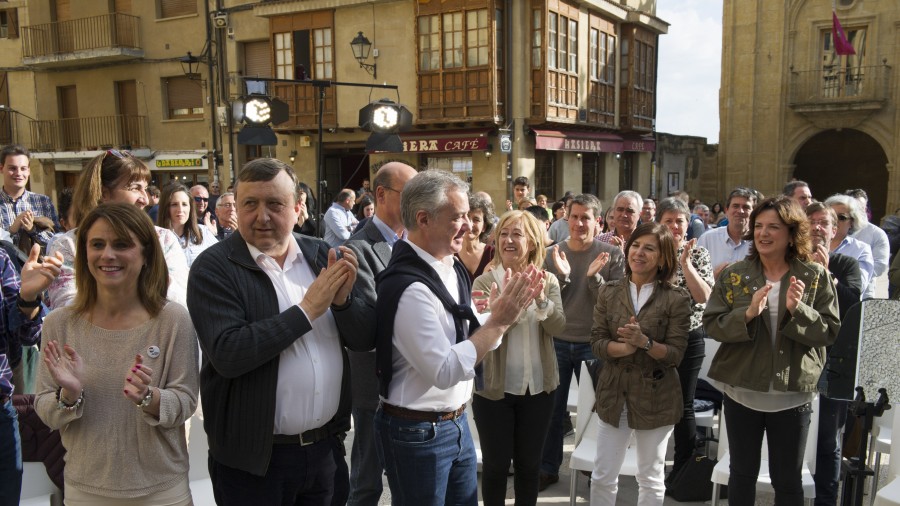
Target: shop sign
[
  {"x": 586, "y": 142},
  {"x": 183, "y": 161},
  {"x": 639, "y": 145},
  {"x": 451, "y": 144}
]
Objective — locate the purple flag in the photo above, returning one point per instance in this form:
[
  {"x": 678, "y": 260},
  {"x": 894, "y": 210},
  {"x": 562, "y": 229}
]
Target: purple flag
[{"x": 842, "y": 46}]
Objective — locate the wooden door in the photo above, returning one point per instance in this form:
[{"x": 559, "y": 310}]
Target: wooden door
[
  {"x": 70, "y": 130},
  {"x": 128, "y": 119},
  {"x": 65, "y": 35},
  {"x": 122, "y": 6}
]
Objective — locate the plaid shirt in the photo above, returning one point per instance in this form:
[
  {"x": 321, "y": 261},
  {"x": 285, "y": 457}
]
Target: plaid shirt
[
  {"x": 37, "y": 203},
  {"x": 15, "y": 330}
]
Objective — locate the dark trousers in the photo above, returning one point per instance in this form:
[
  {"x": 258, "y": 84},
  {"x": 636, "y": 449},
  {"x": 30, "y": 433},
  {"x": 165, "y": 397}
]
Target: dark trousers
[
  {"x": 685, "y": 432},
  {"x": 569, "y": 357},
  {"x": 512, "y": 428},
  {"x": 10, "y": 456},
  {"x": 297, "y": 476},
  {"x": 786, "y": 432},
  {"x": 832, "y": 418}
]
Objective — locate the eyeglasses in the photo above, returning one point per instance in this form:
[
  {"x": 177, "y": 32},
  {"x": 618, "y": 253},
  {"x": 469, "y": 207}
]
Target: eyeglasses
[
  {"x": 844, "y": 217},
  {"x": 391, "y": 189},
  {"x": 201, "y": 199},
  {"x": 227, "y": 205}
]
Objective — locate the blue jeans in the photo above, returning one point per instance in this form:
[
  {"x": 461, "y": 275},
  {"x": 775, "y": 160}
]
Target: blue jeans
[
  {"x": 365, "y": 470},
  {"x": 427, "y": 463},
  {"x": 832, "y": 418},
  {"x": 569, "y": 357},
  {"x": 10, "y": 456}
]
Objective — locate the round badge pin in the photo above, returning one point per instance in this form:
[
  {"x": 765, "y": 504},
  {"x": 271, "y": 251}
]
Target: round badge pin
[{"x": 153, "y": 351}]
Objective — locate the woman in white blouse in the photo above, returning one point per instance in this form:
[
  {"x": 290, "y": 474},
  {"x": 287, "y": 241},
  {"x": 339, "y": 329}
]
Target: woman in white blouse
[
  {"x": 513, "y": 409},
  {"x": 177, "y": 213}
]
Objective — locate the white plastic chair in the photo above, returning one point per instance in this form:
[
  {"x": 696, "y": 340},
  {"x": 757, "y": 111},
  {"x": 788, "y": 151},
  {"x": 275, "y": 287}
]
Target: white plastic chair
[
  {"x": 889, "y": 495},
  {"x": 37, "y": 487},
  {"x": 764, "y": 481},
  {"x": 587, "y": 429},
  {"x": 880, "y": 444},
  {"x": 198, "y": 457}
]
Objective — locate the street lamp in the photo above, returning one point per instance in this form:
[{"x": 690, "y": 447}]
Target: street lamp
[
  {"x": 14, "y": 130},
  {"x": 190, "y": 65},
  {"x": 361, "y": 47}
]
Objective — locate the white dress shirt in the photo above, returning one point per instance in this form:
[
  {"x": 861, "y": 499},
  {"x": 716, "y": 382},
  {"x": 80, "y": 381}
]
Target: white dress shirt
[
  {"x": 432, "y": 372},
  {"x": 310, "y": 370},
  {"x": 722, "y": 248}
]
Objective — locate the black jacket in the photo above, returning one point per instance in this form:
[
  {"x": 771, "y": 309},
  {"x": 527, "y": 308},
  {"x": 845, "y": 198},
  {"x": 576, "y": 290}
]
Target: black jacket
[{"x": 234, "y": 307}]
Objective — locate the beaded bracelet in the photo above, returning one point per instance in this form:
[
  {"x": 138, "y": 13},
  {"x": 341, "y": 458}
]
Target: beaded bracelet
[{"x": 61, "y": 404}]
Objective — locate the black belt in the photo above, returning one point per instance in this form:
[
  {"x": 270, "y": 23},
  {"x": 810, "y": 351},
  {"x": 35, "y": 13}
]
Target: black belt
[
  {"x": 312, "y": 436},
  {"x": 422, "y": 416}
]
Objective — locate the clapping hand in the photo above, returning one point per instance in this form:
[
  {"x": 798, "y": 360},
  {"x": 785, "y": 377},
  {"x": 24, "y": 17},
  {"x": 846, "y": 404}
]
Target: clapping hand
[
  {"x": 684, "y": 260},
  {"x": 597, "y": 264},
  {"x": 820, "y": 255},
  {"x": 560, "y": 261},
  {"x": 521, "y": 288},
  {"x": 137, "y": 382},
  {"x": 631, "y": 335},
  {"x": 757, "y": 303},
  {"x": 794, "y": 294},
  {"x": 332, "y": 285},
  {"x": 37, "y": 275},
  {"x": 65, "y": 367}
]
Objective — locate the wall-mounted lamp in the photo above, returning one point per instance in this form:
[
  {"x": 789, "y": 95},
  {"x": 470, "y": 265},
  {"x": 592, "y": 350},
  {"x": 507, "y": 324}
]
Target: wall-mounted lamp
[
  {"x": 293, "y": 156},
  {"x": 190, "y": 65},
  {"x": 578, "y": 156},
  {"x": 361, "y": 47},
  {"x": 488, "y": 152},
  {"x": 618, "y": 156}
]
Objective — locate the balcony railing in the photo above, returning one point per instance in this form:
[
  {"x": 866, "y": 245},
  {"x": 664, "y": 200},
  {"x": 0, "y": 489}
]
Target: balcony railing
[
  {"x": 837, "y": 85},
  {"x": 89, "y": 134},
  {"x": 114, "y": 30}
]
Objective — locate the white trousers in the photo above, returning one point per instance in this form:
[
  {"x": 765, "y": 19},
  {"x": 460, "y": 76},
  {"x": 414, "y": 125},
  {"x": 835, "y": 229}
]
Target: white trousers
[{"x": 612, "y": 444}]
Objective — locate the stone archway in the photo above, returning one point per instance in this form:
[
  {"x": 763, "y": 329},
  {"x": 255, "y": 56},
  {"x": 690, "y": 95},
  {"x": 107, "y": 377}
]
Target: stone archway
[{"x": 835, "y": 160}]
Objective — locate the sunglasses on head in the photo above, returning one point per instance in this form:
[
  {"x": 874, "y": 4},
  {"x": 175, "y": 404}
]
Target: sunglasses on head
[{"x": 116, "y": 153}]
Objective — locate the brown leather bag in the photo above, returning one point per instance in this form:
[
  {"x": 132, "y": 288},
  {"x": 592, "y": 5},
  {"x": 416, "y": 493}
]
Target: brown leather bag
[{"x": 39, "y": 443}]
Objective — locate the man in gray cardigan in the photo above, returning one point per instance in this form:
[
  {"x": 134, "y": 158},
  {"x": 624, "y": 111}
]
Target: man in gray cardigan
[
  {"x": 372, "y": 245},
  {"x": 272, "y": 312}
]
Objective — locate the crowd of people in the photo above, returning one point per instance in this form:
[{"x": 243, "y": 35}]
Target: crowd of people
[{"x": 417, "y": 302}]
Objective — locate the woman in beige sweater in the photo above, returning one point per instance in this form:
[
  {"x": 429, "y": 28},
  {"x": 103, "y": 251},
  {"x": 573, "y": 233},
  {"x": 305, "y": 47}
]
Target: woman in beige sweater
[
  {"x": 513, "y": 409},
  {"x": 119, "y": 376}
]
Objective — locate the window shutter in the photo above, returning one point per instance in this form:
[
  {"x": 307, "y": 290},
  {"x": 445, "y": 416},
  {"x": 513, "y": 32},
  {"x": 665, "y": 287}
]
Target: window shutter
[
  {"x": 173, "y": 8},
  {"x": 182, "y": 93},
  {"x": 257, "y": 59},
  {"x": 12, "y": 24}
]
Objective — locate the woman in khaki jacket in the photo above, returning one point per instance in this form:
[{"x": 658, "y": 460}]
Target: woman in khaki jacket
[
  {"x": 640, "y": 331},
  {"x": 513, "y": 410},
  {"x": 774, "y": 313}
]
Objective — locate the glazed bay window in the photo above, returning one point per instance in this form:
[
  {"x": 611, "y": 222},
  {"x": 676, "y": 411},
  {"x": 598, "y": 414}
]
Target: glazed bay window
[
  {"x": 562, "y": 60},
  {"x": 601, "y": 60},
  {"x": 458, "y": 53}
]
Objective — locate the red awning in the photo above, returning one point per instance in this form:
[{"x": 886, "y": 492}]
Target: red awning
[
  {"x": 559, "y": 140},
  {"x": 445, "y": 141}
]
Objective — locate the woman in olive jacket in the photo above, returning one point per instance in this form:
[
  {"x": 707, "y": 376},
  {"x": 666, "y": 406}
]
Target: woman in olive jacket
[
  {"x": 774, "y": 313},
  {"x": 640, "y": 331}
]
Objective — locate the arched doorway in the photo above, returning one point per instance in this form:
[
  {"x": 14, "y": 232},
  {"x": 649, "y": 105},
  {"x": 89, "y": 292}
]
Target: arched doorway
[{"x": 836, "y": 160}]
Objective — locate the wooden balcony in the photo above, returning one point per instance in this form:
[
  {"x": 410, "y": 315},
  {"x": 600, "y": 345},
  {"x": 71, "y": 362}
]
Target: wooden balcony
[
  {"x": 303, "y": 107},
  {"x": 89, "y": 134},
  {"x": 458, "y": 95},
  {"x": 82, "y": 42}
]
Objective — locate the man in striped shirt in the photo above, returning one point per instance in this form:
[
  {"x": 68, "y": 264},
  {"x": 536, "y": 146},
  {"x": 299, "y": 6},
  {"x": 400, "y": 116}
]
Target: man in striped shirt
[{"x": 30, "y": 218}]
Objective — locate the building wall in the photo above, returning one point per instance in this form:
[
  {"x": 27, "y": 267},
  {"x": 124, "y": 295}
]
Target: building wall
[{"x": 768, "y": 104}]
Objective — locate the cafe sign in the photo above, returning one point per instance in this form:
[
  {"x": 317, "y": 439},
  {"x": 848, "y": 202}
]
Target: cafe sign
[{"x": 452, "y": 141}]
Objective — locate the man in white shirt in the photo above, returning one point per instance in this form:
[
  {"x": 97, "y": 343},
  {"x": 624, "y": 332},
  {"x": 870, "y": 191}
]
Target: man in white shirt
[
  {"x": 273, "y": 315},
  {"x": 339, "y": 220},
  {"x": 799, "y": 192},
  {"x": 727, "y": 245},
  {"x": 372, "y": 245},
  {"x": 425, "y": 356}
]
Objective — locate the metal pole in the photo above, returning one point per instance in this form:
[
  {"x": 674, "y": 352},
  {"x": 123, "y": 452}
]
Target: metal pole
[
  {"x": 320, "y": 160},
  {"x": 211, "y": 88}
]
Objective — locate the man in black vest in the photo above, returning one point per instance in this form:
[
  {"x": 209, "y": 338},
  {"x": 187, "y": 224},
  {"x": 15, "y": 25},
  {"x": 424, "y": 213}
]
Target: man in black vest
[{"x": 427, "y": 346}]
